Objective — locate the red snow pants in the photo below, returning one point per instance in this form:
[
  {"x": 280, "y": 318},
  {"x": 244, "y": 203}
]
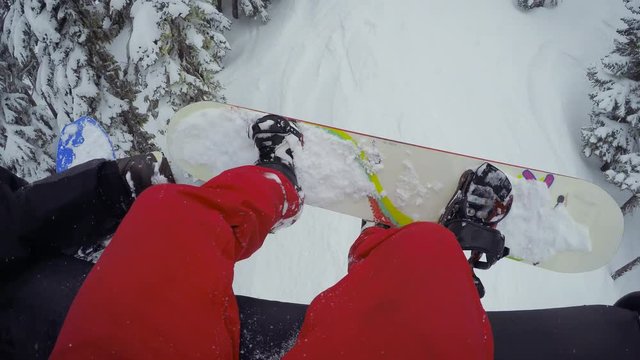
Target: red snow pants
[{"x": 163, "y": 287}]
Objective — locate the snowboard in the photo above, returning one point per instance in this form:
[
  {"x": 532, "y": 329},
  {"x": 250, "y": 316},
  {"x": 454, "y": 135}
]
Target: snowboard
[
  {"x": 557, "y": 222},
  {"x": 80, "y": 141}
]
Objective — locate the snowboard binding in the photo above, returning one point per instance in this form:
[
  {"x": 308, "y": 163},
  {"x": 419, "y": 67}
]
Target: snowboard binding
[
  {"x": 274, "y": 136},
  {"x": 482, "y": 199},
  {"x": 483, "y": 196},
  {"x": 144, "y": 170}
]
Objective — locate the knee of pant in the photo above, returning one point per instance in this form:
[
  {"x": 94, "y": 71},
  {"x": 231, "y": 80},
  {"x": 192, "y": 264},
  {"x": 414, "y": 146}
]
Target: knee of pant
[
  {"x": 434, "y": 237},
  {"x": 162, "y": 195}
]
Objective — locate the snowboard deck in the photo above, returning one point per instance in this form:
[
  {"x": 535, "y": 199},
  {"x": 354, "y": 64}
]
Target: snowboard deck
[{"x": 428, "y": 178}]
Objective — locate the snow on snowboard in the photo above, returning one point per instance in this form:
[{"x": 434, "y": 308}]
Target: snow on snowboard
[{"x": 557, "y": 222}]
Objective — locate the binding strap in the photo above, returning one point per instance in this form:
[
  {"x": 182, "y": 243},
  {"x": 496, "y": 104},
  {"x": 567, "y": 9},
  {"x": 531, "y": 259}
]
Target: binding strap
[{"x": 480, "y": 239}]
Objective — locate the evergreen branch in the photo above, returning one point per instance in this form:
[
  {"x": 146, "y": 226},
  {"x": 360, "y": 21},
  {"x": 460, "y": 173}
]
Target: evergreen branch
[{"x": 631, "y": 204}]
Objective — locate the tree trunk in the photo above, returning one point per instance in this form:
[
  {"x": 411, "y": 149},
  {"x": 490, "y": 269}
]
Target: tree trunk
[
  {"x": 625, "y": 269},
  {"x": 235, "y": 9},
  {"x": 219, "y": 5},
  {"x": 631, "y": 204},
  {"x": 606, "y": 166}
]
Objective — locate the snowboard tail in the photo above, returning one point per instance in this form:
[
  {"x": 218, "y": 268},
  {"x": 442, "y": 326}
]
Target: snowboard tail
[
  {"x": 80, "y": 141},
  {"x": 574, "y": 225}
]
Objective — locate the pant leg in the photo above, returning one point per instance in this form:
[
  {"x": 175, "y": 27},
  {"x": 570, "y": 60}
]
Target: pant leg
[
  {"x": 163, "y": 287},
  {"x": 34, "y": 303},
  {"x": 61, "y": 211},
  {"x": 11, "y": 180},
  {"x": 73, "y": 208},
  {"x": 37, "y": 221},
  {"x": 408, "y": 295},
  {"x": 11, "y": 249}
]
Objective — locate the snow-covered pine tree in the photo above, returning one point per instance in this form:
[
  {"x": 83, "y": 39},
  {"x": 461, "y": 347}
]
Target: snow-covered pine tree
[
  {"x": 170, "y": 51},
  {"x": 255, "y": 8},
  {"x": 123, "y": 62},
  {"x": 26, "y": 127},
  {"x": 76, "y": 74},
  {"x": 532, "y": 4},
  {"x": 614, "y": 133},
  {"x": 250, "y": 8}
]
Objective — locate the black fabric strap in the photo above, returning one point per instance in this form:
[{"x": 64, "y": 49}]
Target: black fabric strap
[{"x": 479, "y": 238}]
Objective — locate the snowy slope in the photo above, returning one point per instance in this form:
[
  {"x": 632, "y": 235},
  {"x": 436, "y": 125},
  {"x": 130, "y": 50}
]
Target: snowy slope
[{"x": 480, "y": 78}]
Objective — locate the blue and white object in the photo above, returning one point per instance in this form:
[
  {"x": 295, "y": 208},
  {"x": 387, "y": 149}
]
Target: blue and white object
[{"x": 80, "y": 141}]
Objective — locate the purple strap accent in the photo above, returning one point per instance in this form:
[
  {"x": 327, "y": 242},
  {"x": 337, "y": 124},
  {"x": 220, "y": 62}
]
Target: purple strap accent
[
  {"x": 528, "y": 175},
  {"x": 549, "y": 179}
]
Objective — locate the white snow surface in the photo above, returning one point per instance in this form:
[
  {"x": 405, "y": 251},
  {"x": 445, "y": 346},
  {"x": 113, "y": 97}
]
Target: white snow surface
[{"x": 480, "y": 78}]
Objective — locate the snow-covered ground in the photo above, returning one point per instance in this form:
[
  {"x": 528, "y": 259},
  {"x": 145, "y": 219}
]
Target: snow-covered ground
[{"x": 475, "y": 77}]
